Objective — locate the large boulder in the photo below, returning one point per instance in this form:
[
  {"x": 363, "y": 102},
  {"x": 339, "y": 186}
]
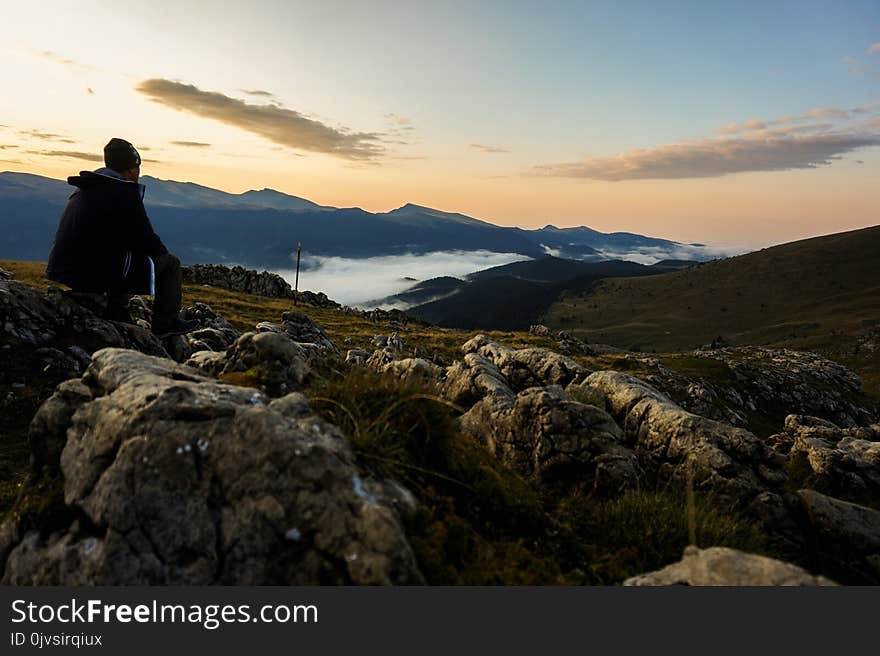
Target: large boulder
[
  {"x": 272, "y": 361},
  {"x": 414, "y": 370},
  {"x": 32, "y": 319},
  {"x": 529, "y": 367},
  {"x": 842, "y": 462},
  {"x": 476, "y": 378},
  {"x": 724, "y": 566},
  {"x": 740, "y": 384},
  {"x": 176, "y": 478},
  {"x": 846, "y": 536},
  {"x": 674, "y": 444},
  {"x": 545, "y": 434},
  {"x": 301, "y": 329}
]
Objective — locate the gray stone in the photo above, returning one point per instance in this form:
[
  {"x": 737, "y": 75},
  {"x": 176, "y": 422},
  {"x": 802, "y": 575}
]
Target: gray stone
[
  {"x": 719, "y": 566},
  {"x": 187, "y": 481}
]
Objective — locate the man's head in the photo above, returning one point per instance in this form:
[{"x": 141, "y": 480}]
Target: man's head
[{"x": 121, "y": 156}]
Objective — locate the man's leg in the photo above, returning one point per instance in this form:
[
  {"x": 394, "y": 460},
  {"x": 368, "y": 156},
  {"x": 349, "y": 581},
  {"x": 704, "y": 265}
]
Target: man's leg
[
  {"x": 117, "y": 307},
  {"x": 166, "y": 304}
]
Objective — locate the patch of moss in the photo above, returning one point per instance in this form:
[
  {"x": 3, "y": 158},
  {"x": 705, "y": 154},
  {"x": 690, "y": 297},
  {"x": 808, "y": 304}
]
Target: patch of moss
[{"x": 250, "y": 378}]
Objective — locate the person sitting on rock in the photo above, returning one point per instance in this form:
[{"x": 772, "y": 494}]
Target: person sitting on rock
[{"x": 106, "y": 244}]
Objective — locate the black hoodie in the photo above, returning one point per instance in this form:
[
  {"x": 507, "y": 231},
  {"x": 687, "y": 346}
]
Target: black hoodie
[{"x": 104, "y": 220}]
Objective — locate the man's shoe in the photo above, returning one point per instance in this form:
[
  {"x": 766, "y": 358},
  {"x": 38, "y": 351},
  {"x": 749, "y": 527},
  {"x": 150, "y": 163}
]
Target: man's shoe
[{"x": 176, "y": 327}]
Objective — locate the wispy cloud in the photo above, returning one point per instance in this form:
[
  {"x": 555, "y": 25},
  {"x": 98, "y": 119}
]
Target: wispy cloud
[
  {"x": 46, "y": 136},
  {"x": 280, "y": 125},
  {"x": 488, "y": 149},
  {"x": 258, "y": 92},
  {"x": 778, "y": 144},
  {"x": 874, "y": 48},
  {"x": 7, "y": 146},
  {"x": 72, "y": 154},
  {"x": 191, "y": 144},
  {"x": 763, "y": 124},
  {"x": 715, "y": 157},
  {"x": 398, "y": 121},
  {"x": 90, "y": 91},
  {"x": 64, "y": 61}
]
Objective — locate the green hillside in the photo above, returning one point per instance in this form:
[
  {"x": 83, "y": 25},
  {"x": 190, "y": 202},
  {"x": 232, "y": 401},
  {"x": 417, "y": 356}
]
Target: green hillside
[{"x": 820, "y": 294}]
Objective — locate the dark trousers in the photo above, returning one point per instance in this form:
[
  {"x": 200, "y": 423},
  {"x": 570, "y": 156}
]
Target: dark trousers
[
  {"x": 169, "y": 279},
  {"x": 166, "y": 302}
]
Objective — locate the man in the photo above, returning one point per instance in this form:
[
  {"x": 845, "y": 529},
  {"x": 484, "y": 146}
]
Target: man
[{"x": 105, "y": 242}]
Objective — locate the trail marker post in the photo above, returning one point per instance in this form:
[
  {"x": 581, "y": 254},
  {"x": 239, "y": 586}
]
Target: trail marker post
[{"x": 296, "y": 281}]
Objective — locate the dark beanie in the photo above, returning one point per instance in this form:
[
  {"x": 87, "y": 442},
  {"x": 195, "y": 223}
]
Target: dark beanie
[{"x": 120, "y": 155}]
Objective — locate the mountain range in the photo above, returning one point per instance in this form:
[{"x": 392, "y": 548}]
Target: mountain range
[{"x": 260, "y": 228}]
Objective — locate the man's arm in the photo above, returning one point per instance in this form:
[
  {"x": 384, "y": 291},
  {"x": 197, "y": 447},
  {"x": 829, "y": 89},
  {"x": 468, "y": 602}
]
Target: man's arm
[{"x": 141, "y": 235}]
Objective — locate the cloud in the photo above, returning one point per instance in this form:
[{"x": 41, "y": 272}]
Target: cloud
[
  {"x": 356, "y": 281},
  {"x": 64, "y": 61},
  {"x": 7, "y": 146},
  {"x": 90, "y": 91},
  {"x": 46, "y": 136},
  {"x": 867, "y": 109},
  {"x": 55, "y": 57},
  {"x": 874, "y": 48},
  {"x": 778, "y": 144},
  {"x": 653, "y": 254},
  {"x": 398, "y": 121},
  {"x": 810, "y": 114},
  {"x": 283, "y": 126},
  {"x": 73, "y": 154},
  {"x": 191, "y": 144},
  {"x": 258, "y": 92},
  {"x": 488, "y": 149},
  {"x": 712, "y": 158}
]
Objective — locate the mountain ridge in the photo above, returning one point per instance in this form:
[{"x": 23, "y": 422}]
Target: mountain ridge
[{"x": 202, "y": 224}]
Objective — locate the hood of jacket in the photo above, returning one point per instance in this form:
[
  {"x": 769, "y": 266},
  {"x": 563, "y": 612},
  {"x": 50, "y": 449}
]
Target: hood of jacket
[{"x": 104, "y": 175}]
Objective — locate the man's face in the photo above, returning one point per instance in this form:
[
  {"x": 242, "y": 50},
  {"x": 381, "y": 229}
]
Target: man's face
[{"x": 132, "y": 174}]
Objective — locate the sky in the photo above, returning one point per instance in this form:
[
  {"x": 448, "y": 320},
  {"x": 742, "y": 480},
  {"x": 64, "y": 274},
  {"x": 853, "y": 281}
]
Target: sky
[{"x": 747, "y": 123}]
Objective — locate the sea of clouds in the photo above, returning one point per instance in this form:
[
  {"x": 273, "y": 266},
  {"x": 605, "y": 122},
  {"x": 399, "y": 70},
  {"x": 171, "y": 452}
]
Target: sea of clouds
[{"x": 356, "y": 281}]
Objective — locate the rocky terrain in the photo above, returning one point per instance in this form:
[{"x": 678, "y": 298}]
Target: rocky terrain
[{"x": 237, "y": 456}]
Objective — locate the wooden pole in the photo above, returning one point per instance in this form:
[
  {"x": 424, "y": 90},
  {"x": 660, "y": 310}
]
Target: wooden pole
[{"x": 296, "y": 282}]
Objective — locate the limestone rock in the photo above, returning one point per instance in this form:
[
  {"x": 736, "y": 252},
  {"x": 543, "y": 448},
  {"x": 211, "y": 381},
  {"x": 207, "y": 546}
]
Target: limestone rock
[
  {"x": 414, "y": 370},
  {"x": 723, "y": 566},
  {"x": 842, "y": 462},
  {"x": 179, "y": 479},
  {"x": 529, "y": 367},
  {"x": 301, "y": 329},
  {"x": 675, "y": 444},
  {"x": 276, "y": 362},
  {"x": 847, "y": 535},
  {"x": 473, "y": 379},
  {"x": 544, "y": 433}
]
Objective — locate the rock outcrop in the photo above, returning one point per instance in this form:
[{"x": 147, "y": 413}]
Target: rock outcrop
[
  {"x": 843, "y": 462},
  {"x": 745, "y": 382},
  {"x": 542, "y": 432},
  {"x": 846, "y": 536},
  {"x": 529, "y": 367},
  {"x": 175, "y": 478},
  {"x": 724, "y": 566},
  {"x": 238, "y": 279},
  {"x": 674, "y": 444},
  {"x": 303, "y": 330}
]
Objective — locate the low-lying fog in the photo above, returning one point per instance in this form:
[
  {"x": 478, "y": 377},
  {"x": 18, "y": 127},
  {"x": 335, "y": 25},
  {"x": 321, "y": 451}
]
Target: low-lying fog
[{"x": 356, "y": 281}]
